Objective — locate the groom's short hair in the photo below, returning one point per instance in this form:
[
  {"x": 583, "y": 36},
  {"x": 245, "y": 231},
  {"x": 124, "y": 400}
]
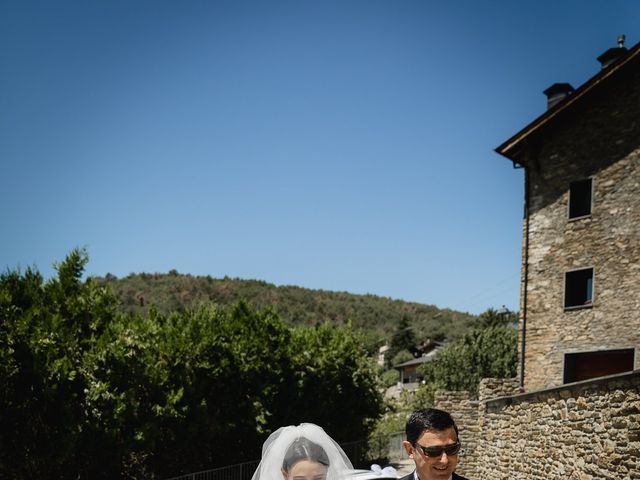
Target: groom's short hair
[{"x": 428, "y": 419}]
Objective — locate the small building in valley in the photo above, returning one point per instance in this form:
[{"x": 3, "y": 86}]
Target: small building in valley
[{"x": 423, "y": 353}]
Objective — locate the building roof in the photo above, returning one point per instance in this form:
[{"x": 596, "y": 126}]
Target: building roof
[
  {"x": 514, "y": 148},
  {"x": 417, "y": 361}
]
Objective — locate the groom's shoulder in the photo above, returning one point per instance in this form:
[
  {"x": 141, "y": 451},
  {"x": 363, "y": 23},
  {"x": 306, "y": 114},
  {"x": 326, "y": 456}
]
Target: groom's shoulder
[
  {"x": 407, "y": 477},
  {"x": 455, "y": 476}
]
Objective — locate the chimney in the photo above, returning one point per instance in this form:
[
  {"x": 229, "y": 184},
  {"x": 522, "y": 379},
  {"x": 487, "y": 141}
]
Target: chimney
[
  {"x": 611, "y": 55},
  {"x": 556, "y": 93}
]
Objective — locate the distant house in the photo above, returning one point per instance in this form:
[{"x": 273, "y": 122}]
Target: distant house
[
  {"x": 409, "y": 369},
  {"x": 580, "y": 277},
  {"x": 382, "y": 351}
]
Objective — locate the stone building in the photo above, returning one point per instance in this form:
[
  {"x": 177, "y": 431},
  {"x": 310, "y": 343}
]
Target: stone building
[
  {"x": 580, "y": 280},
  {"x": 574, "y": 410}
]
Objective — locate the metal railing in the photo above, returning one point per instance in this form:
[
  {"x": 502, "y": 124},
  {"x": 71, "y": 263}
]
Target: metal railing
[
  {"x": 396, "y": 449},
  {"x": 383, "y": 447},
  {"x": 239, "y": 471}
]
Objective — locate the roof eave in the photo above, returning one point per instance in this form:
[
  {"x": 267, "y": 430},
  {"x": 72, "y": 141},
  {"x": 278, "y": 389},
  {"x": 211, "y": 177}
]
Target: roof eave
[{"x": 513, "y": 147}]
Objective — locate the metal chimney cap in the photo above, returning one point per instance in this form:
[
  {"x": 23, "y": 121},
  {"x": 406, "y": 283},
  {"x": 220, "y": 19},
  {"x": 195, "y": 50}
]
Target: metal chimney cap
[
  {"x": 557, "y": 93},
  {"x": 611, "y": 55},
  {"x": 559, "y": 89}
]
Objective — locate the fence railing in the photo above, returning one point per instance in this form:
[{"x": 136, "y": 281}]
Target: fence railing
[
  {"x": 387, "y": 447},
  {"x": 396, "y": 449},
  {"x": 239, "y": 471}
]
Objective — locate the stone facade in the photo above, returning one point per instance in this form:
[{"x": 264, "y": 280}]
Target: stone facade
[
  {"x": 583, "y": 431},
  {"x": 560, "y": 428},
  {"x": 598, "y": 139},
  {"x": 466, "y": 418}
]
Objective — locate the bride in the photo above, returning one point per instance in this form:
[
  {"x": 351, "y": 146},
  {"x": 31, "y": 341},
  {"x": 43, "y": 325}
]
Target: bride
[{"x": 302, "y": 452}]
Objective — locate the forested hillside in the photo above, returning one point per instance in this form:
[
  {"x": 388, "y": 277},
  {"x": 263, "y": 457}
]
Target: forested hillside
[{"x": 378, "y": 316}]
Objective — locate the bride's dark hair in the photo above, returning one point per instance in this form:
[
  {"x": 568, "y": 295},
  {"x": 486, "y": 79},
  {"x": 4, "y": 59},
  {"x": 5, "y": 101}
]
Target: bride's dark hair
[{"x": 304, "y": 449}]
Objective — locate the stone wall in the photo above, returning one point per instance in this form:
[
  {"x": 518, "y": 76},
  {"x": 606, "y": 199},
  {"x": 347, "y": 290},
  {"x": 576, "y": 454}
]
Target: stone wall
[
  {"x": 598, "y": 139},
  {"x": 465, "y": 414},
  {"x": 582, "y": 431},
  {"x": 497, "y": 387}
]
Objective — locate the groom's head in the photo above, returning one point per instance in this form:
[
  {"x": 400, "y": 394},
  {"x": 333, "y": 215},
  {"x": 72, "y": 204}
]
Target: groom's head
[{"x": 432, "y": 442}]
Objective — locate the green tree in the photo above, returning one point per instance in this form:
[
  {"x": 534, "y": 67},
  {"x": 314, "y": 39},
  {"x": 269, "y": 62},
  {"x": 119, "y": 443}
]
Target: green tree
[
  {"x": 495, "y": 318},
  {"x": 482, "y": 353},
  {"x": 335, "y": 385},
  {"x": 403, "y": 339},
  {"x": 389, "y": 378},
  {"x": 89, "y": 392},
  {"x": 401, "y": 357},
  {"x": 190, "y": 390},
  {"x": 46, "y": 331}
]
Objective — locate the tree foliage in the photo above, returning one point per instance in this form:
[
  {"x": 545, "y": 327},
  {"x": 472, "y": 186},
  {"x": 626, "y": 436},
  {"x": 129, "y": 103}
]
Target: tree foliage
[
  {"x": 486, "y": 351},
  {"x": 489, "y": 350},
  {"x": 89, "y": 392},
  {"x": 493, "y": 318},
  {"x": 402, "y": 340},
  {"x": 47, "y": 333}
]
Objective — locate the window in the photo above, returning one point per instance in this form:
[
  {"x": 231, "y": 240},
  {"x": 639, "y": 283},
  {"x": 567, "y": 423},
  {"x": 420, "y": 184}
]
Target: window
[
  {"x": 580, "y": 198},
  {"x": 578, "y": 288},
  {"x": 585, "y": 365}
]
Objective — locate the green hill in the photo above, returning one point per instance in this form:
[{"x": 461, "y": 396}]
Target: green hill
[{"x": 377, "y": 316}]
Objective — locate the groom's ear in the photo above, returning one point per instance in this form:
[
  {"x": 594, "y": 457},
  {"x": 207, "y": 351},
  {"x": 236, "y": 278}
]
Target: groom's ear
[{"x": 408, "y": 447}]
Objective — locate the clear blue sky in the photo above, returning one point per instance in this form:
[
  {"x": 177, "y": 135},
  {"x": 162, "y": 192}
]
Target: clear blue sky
[{"x": 342, "y": 145}]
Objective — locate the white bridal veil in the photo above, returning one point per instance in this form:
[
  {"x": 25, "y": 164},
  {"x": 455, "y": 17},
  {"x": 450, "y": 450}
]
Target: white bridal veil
[{"x": 276, "y": 446}]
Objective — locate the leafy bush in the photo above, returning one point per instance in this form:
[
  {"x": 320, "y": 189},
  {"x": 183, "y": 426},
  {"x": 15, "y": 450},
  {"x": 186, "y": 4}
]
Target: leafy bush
[
  {"x": 89, "y": 392},
  {"x": 490, "y": 350},
  {"x": 482, "y": 353},
  {"x": 389, "y": 378}
]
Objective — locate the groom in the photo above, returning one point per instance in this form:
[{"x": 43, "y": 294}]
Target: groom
[{"x": 433, "y": 444}]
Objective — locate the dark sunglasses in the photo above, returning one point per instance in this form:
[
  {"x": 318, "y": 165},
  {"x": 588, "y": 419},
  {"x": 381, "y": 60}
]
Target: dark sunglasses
[{"x": 436, "y": 451}]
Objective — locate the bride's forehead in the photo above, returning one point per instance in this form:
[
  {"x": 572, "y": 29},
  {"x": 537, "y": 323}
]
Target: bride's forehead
[{"x": 307, "y": 467}]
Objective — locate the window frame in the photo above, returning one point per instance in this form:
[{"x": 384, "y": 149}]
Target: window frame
[
  {"x": 579, "y": 217},
  {"x": 593, "y": 289},
  {"x": 595, "y": 351}
]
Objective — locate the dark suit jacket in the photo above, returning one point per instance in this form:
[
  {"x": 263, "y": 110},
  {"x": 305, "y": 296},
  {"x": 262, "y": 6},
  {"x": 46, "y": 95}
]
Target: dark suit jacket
[{"x": 454, "y": 477}]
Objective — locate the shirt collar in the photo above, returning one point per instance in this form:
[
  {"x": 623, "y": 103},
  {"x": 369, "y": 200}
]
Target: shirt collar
[{"x": 416, "y": 477}]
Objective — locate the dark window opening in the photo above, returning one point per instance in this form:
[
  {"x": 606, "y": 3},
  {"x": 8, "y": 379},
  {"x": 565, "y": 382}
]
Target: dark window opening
[
  {"x": 578, "y": 288},
  {"x": 409, "y": 375},
  {"x": 580, "y": 198},
  {"x": 582, "y": 366}
]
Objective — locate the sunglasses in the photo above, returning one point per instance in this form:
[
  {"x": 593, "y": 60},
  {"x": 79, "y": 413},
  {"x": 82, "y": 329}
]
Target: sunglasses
[{"x": 436, "y": 451}]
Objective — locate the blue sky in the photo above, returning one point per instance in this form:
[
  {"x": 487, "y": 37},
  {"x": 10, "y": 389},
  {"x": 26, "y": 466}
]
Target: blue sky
[{"x": 340, "y": 145}]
